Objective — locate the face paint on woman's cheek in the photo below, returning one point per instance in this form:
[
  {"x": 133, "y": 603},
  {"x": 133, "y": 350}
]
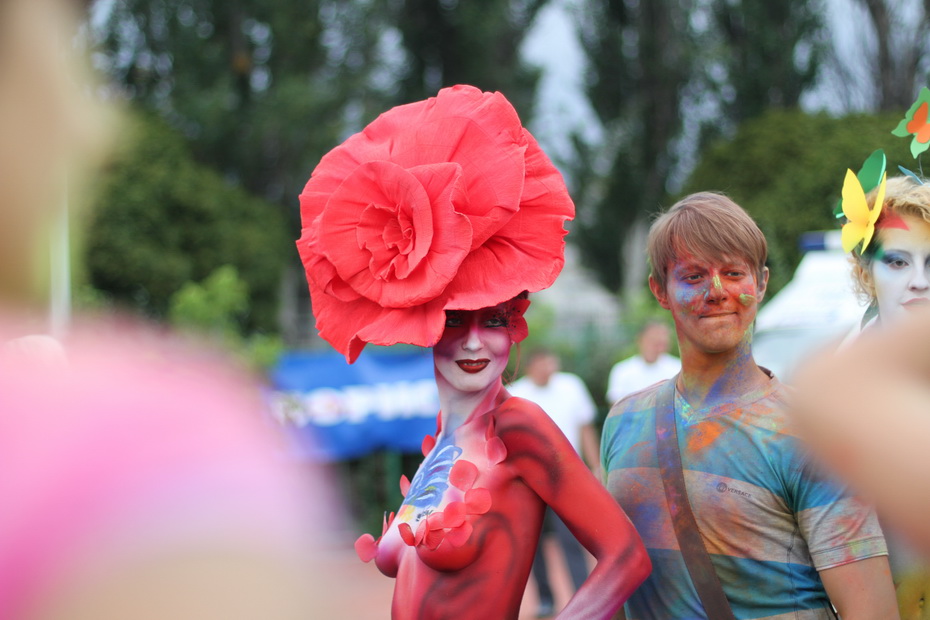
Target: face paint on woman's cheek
[{"x": 746, "y": 299}]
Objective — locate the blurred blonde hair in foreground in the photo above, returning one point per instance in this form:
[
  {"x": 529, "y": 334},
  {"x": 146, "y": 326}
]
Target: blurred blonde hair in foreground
[
  {"x": 138, "y": 479},
  {"x": 52, "y": 131}
]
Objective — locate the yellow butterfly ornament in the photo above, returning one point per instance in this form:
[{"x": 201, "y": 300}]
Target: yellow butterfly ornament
[{"x": 860, "y": 226}]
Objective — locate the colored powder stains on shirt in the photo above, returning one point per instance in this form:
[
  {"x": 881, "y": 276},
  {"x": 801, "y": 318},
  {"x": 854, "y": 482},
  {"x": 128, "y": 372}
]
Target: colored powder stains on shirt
[
  {"x": 703, "y": 434},
  {"x": 770, "y": 518}
]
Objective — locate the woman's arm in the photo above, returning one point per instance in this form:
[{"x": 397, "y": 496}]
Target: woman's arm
[{"x": 548, "y": 464}]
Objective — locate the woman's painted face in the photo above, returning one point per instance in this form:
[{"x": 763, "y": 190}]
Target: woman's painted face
[
  {"x": 901, "y": 268},
  {"x": 474, "y": 348}
]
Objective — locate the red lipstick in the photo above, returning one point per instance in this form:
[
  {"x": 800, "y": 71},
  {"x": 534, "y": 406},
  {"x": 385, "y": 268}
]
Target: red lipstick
[{"x": 473, "y": 366}]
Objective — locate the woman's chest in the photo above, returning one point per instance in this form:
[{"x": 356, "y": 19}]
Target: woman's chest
[{"x": 460, "y": 481}]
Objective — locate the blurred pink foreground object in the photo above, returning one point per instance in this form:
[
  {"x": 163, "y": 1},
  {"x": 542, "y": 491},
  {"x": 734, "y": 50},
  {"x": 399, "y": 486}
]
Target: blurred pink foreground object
[{"x": 128, "y": 448}]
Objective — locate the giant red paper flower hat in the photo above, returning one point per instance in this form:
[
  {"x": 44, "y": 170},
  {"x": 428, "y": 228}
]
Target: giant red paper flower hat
[{"x": 443, "y": 204}]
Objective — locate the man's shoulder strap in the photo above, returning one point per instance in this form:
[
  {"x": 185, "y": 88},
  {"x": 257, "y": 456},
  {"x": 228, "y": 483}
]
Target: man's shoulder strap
[{"x": 695, "y": 555}]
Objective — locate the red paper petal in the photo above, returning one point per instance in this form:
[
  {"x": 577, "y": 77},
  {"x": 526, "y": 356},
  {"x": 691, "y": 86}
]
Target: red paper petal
[
  {"x": 454, "y": 514},
  {"x": 465, "y": 148},
  {"x": 404, "y": 485},
  {"x": 463, "y": 474},
  {"x": 436, "y": 521},
  {"x": 406, "y": 534},
  {"x": 348, "y": 326},
  {"x": 478, "y": 501},
  {"x": 496, "y": 450},
  {"x": 516, "y": 323},
  {"x": 489, "y": 431},
  {"x": 422, "y": 530},
  {"x": 380, "y": 226},
  {"x": 889, "y": 219},
  {"x": 386, "y": 523},
  {"x": 428, "y": 442},
  {"x": 460, "y": 535},
  {"x": 433, "y": 538},
  {"x": 527, "y": 252},
  {"x": 366, "y": 547},
  {"x": 481, "y": 131}
]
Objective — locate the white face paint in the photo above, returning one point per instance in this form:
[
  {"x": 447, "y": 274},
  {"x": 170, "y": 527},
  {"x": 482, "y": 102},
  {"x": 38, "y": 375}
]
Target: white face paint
[
  {"x": 901, "y": 271},
  {"x": 474, "y": 348}
]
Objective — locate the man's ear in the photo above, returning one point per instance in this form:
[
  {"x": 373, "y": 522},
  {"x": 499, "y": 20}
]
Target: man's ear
[
  {"x": 658, "y": 292},
  {"x": 762, "y": 285}
]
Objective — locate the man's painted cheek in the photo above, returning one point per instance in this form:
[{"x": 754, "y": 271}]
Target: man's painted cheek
[{"x": 691, "y": 298}]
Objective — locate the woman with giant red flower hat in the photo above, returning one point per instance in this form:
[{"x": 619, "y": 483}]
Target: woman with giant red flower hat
[{"x": 429, "y": 227}]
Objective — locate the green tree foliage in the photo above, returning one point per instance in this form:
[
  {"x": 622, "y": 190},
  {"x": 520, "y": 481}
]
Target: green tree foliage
[
  {"x": 473, "y": 42},
  {"x": 662, "y": 76},
  {"x": 215, "y": 308},
  {"x": 260, "y": 88},
  {"x": 640, "y": 57},
  {"x": 162, "y": 220},
  {"x": 769, "y": 53},
  {"x": 786, "y": 168},
  {"x": 263, "y": 88}
]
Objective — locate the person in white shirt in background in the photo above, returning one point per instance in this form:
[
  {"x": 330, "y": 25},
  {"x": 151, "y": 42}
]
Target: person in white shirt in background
[
  {"x": 653, "y": 364},
  {"x": 566, "y": 399}
]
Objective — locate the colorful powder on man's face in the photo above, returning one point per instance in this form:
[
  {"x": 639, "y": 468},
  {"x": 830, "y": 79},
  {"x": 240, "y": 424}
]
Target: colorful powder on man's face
[
  {"x": 718, "y": 285},
  {"x": 747, "y": 300}
]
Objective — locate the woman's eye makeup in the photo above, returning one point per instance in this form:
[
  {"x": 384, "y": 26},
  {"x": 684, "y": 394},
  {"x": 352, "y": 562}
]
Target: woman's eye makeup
[
  {"x": 894, "y": 260},
  {"x": 496, "y": 321},
  {"x": 453, "y": 319}
]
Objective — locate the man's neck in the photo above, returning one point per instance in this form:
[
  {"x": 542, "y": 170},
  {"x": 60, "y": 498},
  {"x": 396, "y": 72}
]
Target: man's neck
[{"x": 713, "y": 379}]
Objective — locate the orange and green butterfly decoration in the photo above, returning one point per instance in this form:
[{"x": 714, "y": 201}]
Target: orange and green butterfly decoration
[{"x": 917, "y": 123}]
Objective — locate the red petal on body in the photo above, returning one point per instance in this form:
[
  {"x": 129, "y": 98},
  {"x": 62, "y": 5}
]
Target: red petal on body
[
  {"x": 516, "y": 323},
  {"x": 366, "y": 547},
  {"x": 406, "y": 534},
  {"x": 436, "y": 521},
  {"x": 478, "y": 501},
  {"x": 463, "y": 474},
  {"x": 496, "y": 450},
  {"x": 454, "y": 514},
  {"x": 404, "y": 485},
  {"x": 460, "y": 535},
  {"x": 386, "y": 523},
  {"x": 428, "y": 442},
  {"x": 433, "y": 538},
  {"x": 422, "y": 530}
]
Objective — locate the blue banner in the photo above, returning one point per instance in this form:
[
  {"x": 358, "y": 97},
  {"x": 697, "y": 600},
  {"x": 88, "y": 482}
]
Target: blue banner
[{"x": 338, "y": 411}]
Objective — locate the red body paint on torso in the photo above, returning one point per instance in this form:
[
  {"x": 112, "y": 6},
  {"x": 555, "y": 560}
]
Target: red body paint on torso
[{"x": 462, "y": 544}]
